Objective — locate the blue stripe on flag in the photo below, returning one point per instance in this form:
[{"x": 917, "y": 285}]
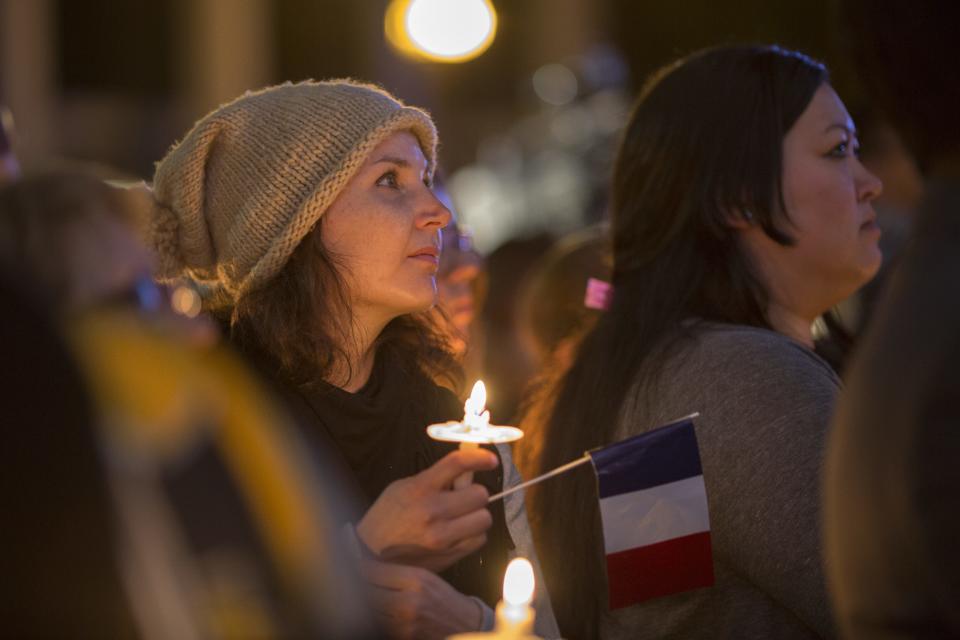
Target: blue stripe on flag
[{"x": 666, "y": 454}]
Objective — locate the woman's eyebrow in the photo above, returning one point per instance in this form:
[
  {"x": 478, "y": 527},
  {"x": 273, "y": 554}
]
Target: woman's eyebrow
[
  {"x": 839, "y": 125},
  {"x": 400, "y": 162}
]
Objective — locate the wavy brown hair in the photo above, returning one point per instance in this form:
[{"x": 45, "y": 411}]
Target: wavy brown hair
[{"x": 300, "y": 322}]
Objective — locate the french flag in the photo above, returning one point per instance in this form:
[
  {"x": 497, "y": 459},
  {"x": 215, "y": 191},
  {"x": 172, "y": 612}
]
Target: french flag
[{"x": 653, "y": 503}]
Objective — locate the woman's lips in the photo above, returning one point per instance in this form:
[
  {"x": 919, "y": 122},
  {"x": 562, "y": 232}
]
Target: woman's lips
[
  {"x": 870, "y": 226},
  {"x": 427, "y": 254}
]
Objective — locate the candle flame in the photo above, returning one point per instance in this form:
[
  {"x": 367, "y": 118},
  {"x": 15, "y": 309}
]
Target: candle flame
[
  {"x": 518, "y": 582},
  {"x": 477, "y": 400},
  {"x": 479, "y": 395}
]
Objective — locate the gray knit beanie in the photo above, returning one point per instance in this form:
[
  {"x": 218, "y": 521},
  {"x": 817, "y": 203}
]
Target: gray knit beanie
[{"x": 235, "y": 197}]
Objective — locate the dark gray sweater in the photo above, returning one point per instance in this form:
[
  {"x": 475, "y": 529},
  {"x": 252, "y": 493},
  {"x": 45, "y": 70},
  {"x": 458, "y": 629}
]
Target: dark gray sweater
[{"x": 765, "y": 402}]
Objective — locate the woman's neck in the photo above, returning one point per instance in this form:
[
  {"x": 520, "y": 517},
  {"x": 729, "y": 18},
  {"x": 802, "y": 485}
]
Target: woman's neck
[
  {"x": 789, "y": 322},
  {"x": 352, "y": 373}
]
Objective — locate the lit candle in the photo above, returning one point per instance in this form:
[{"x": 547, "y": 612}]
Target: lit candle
[
  {"x": 475, "y": 429},
  {"x": 514, "y": 619},
  {"x": 514, "y": 613}
]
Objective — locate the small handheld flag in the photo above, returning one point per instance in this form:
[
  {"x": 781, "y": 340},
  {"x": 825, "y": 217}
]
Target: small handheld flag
[{"x": 653, "y": 504}]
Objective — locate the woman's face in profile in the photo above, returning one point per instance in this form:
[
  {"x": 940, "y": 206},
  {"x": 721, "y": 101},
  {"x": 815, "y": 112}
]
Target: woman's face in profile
[
  {"x": 828, "y": 195},
  {"x": 384, "y": 230}
]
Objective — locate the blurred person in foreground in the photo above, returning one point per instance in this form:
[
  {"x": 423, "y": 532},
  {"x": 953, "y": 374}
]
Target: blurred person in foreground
[
  {"x": 306, "y": 215},
  {"x": 183, "y": 507},
  {"x": 740, "y": 214},
  {"x": 892, "y": 504}
]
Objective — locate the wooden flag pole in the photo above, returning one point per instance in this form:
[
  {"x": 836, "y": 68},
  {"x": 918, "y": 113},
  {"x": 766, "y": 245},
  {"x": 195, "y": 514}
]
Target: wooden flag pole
[
  {"x": 564, "y": 468},
  {"x": 541, "y": 478}
]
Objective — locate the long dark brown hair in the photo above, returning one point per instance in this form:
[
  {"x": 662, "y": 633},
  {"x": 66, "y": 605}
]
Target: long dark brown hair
[
  {"x": 703, "y": 143},
  {"x": 301, "y": 324}
]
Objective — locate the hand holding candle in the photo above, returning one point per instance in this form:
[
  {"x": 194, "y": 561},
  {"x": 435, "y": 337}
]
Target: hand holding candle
[
  {"x": 475, "y": 429},
  {"x": 419, "y": 521}
]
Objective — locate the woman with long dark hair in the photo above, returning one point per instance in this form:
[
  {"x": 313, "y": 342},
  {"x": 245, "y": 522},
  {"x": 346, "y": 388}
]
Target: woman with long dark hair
[
  {"x": 305, "y": 214},
  {"x": 740, "y": 215}
]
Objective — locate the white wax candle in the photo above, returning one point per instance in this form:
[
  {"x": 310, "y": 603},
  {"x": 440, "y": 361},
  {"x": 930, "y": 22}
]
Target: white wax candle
[
  {"x": 475, "y": 429},
  {"x": 475, "y": 417}
]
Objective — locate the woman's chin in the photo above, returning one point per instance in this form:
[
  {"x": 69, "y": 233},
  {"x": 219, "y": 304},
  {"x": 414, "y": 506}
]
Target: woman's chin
[
  {"x": 872, "y": 264},
  {"x": 417, "y": 301}
]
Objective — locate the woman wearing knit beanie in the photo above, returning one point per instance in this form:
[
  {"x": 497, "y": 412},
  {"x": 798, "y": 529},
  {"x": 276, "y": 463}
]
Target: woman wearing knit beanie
[{"x": 305, "y": 214}]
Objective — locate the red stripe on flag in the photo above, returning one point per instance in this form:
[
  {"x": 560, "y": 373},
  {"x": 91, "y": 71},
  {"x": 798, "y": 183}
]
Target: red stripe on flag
[{"x": 660, "y": 569}]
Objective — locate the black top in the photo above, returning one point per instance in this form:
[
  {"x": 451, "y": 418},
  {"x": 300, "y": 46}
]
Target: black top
[{"x": 378, "y": 435}]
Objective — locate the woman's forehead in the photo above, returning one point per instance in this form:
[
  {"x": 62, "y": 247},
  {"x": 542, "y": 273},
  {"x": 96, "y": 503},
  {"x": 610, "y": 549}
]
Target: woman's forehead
[
  {"x": 400, "y": 147},
  {"x": 825, "y": 111}
]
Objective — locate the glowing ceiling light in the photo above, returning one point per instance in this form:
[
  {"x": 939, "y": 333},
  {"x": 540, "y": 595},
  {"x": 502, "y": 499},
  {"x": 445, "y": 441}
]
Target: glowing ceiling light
[{"x": 441, "y": 30}]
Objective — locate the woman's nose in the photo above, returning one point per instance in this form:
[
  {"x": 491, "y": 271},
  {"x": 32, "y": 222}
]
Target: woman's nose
[
  {"x": 435, "y": 213},
  {"x": 869, "y": 186}
]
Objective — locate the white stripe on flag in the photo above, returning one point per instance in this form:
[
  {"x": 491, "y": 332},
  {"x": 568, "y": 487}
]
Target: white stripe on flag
[{"x": 667, "y": 511}]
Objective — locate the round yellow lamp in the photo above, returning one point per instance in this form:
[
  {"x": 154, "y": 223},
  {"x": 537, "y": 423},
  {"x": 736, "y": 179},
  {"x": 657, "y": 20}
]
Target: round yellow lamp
[{"x": 441, "y": 30}]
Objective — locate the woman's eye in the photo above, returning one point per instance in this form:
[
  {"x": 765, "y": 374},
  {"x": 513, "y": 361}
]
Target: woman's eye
[
  {"x": 389, "y": 179},
  {"x": 840, "y": 151}
]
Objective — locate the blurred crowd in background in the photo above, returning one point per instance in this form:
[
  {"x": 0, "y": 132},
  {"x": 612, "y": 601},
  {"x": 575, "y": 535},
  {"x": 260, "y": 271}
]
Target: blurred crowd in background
[{"x": 131, "y": 422}]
